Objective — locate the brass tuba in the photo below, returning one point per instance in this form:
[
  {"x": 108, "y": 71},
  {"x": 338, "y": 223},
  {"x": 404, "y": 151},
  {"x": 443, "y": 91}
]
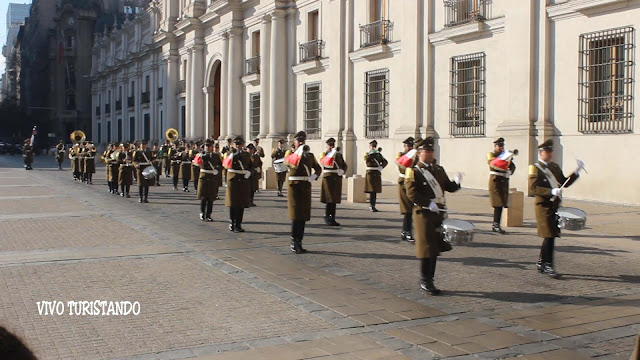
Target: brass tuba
[
  {"x": 78, "y": 136},
  {"x": 172, "y": 134}
]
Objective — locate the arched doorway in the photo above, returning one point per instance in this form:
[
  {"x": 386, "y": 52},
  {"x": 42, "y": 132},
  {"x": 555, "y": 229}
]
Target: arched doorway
[{"x": 213, "y": 100}]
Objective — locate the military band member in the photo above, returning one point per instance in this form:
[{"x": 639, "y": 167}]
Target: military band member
[
  {"x": 546, "y": 182},
  {"x": 142, "y": 158},
  {"x": 81, "y": 156},
  {"x": 259, "y": 149},
  {"x": 114, "y": 170},
  {"x": 256, "y": 163},
  {"x": 406, "y": 206},
  {"x": 225, "y": 150},
  {"x": 375, "y": 162},
  {"x": 60, "y": 154},
  {"x": 239, "y": 169},
  {"x": 426, "y": 184},
  {"x": 185, "y": 167},
  {"x": 157, "y": 163},
  {"x": 210, "y": 173},
  {"x": 174, "y": 158},
  {"x": 27, "y": 154},
  {"x": 126, "y": 170},
  {"x": 333, "y": 168},
  {"x": 164, "y": 155},
  {"x": 90, "y": 162},
  {"x": 73, "y": 157},
  {"x": 300, "y": 162},
  {"x": 105, "y": 159},
  {"x": 195, "y": 169},
  {"x": 501, "y": 167},
  {"x": 277, "y": 156}
]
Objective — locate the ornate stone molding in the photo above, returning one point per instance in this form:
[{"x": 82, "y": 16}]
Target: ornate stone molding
[
  {"x": 467, "y": 32},
  {"x": 376, "y": 52}
]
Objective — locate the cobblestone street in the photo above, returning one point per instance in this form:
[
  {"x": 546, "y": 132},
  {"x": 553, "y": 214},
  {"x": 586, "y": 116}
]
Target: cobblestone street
[{"x": 207, "y": 293}]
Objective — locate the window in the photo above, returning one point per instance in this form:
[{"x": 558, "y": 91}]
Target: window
[
  {"x": 119, "y": 130},
  {"x": 147, "y": 127},
  {"x": 254, "y": 115},
  {"x": 606, "y": 69},
  {"x": 255, "y": 43},
  {"x": 133, "y": 87},
  {"x": 147, "y": 83},
  {"x": 376, "y": 104},
  {"x": 70, "y": 41},
  {"x": 108, "y": 131},
  {"x": 467, "y": 96},
  {"x": 132, "y": 129},
  {"x": 377, "y": 9},
  {"x": 313, "y": 110},
  {"x": 459, "y": 12},
  {"x": 314, "y": 23},
  {"x": 99, "y": 133}
]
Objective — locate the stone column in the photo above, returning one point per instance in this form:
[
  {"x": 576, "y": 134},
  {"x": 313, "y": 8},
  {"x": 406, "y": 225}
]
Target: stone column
[
  {"x": 234, "y": 95},
  {"x": 278, "y": 76},
  {"x": 265, "y": 33},
  {"x": 292, "y": 50},
  {"x": 197, "y": 96},
  {"x": 208, "y": 110},
  {"x": 170, "y": 88},
  {"x": 188, "y": 131},
  {"x": 224, "y": 80}
]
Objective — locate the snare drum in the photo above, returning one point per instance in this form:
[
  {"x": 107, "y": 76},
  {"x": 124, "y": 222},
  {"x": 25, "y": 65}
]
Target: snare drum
[
  {"x": 279, "y": 166},
  {"x": 458, "y": 232},
  {"x": 571, "y": 218},
  {"x": 149, "y": 172}
]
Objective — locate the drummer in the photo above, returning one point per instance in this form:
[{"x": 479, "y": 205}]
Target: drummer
[
  {"x": 277, "y": 155},
  {"x": 425, "y": 184},
  {"x": 142, "y": 159},
  {"x": 546, "y": 182}
]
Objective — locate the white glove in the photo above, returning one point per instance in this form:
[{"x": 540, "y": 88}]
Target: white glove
[
  {"x": 580, "y": 166},
  {"x": 215, "y": 172},
  {"x": 313, "y": 177},
  {"x": 509, "y": 173},
  {"x": 458, "y": 178},
  {"x": 380, "y": 168},
  {"x": 557, "y": 192},
  {"x": 247, "y": 175},
  {"x": 340, "y": 172},
  {"x": 433, "y": 207},
  {"x": 257, "y": 170}
]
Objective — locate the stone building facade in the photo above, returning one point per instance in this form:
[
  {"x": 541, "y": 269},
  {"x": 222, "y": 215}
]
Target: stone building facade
[{"x": 463, "y": 71}]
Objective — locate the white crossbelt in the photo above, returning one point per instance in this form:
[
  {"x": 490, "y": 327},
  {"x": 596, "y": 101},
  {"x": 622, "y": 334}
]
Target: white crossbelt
[
  {"x": 207, "y": 171},
  {"x": 298, "y": 178},
  {"x": 186, "y": 162},
  {"x": 371, "y": 168},
  {"x": 497, "y": 173},
  {"x": 89, "y": 158},
  {"x": 237, "y": 171},
  {"x": 329, "y": 171},
  {"x": 145, "y": 163},
  {"x": 121, "y": 165}
]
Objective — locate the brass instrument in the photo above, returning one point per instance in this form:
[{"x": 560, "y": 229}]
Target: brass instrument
[
  {"x": 78, "y": 136},
  {"x": 172, "y": 134}
]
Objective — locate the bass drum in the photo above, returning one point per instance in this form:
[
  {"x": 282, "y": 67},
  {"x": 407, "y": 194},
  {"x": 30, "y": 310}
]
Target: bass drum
[
  {"x": 571, "y": 218},
  {"x": 458, "y": 232},
  {"x": 149, "y": 172},
  {"x": 279, "y": 166}
]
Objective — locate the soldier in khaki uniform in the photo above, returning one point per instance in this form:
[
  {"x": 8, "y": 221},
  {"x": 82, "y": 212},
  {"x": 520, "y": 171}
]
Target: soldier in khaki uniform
[
  {"x": 73, "y": 156},
  {"x": 125, "y": 172},
  {"x": 60, "y": 154},
  {"x": 113, "y": 168},
  {"x": 90, "y": 162},
  {"x": 333, "y": 168},
  {"x": 256, "y": 163},
  {"x": 195, "y": 169},
  {"x": 27, "y": 154},
  {"x": 499, "y": 182},
  {"x": 157, "y": 163},
  {"x": 406, "y": 206},
  {"x": 546, "y": 182},
  {"x": 239, "y": 170},
  {"x": 143, "y": 158},
  {"x": 426, "y": 184},
  {"x": 164, "y": 155},
  {"x": 105, "y": 159},
  {"x": 210, "y": 173},
  {"x": 300, "y": 162},
  {"x": 216, "y": 151},
  {"x": 375, "y": 162},
  {"x": 277, "y": 155},
  {"x": 174, "y": 158},
  {"x": 185, "y": 167}
]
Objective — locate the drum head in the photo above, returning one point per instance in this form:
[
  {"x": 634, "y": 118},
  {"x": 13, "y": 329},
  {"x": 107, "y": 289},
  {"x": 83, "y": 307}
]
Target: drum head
[
  {"x": 458, "y": 225},
  {"x": 571, "y": 213}
]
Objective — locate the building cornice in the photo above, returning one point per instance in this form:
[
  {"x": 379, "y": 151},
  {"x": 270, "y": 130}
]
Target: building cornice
[
  {"x": 376, "y": 52},
  {"x": 467, "y": 32},
  {"x": 577, "y": 8}
]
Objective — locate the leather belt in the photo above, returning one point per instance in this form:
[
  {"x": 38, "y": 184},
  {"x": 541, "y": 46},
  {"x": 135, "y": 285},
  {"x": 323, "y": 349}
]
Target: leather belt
[
  {"x": 145, "y": 163},
  {"x": 372, "y": 168},
  {"x": 237, "y": 171},
  {"x": 186, "y": 162},
  {"x": 497, "y": 173},
  {"x": 207, "y": 171},
  {"x": 89, "y": 158},
  {"x": 175, "y": 161},
  {"x": 329, "y": 171},
  {"x": 298, "y": 178},
  {"x": 121, "y": 165}
]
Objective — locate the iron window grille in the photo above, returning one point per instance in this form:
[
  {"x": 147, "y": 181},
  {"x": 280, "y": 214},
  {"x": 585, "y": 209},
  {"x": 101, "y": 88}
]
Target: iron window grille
[
  {"x": 107, "y": 108},
  {"x": 254, "y": 115},
  {"x": 145, "y": 97},
  {"x": 131, "y": 101},
  {"x": 376, "y": 104},
  {"x": 458, "y": 12},
  {"x": 160, "y": 89},
  {"x": 252, "y": 65},
  {"x": 313, "y": 110},
  {"x": 605, "y": 100},
  {"x": 97, "y": 110},
  {"x": 467, "y": 96},
  {"x": 378, "y": 32},
  {"x": 311, "y": 50},
  {"x": 118, "y": 105}
]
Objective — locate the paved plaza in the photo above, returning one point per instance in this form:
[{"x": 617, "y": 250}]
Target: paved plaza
[{"x": 207, "y": 293}]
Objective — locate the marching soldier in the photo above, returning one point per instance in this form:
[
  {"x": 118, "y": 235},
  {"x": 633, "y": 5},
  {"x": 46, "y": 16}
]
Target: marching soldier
[
  {"x": 375, "y": 162},
  {"x": 174, "y": 157},
  {"x": 405, "y": 160},
  {"x": 142, "y": 159},
  {"x": 185, "y": 167},
  {"x": 425, "y": 183},
  {"x": 239, "y": 169},
  {"x": 157, "y": 163},
  {"x": 195, "y": 169},
  {"x": 225, "y": 150},
  {"x": 209, "y": 175},
  {"x": 546, "y": 182},
  {"x": 27, "y": 154},
  {"x": 105, "y": 159},
  {"x": 259, "y": 149},
  {"x": 90, "y": 162},
  {"x": 256, "y": 175},
  {"x": 333, "y": 167},
  {"x": 216, "y": 152},
  {"x": 60, "y": 154},
  {"x": 114, "y": 169},
  {"x": 277, "y": 155},
  {"x": 300, "y": 163},
  {"x": 73, "y": 157},
  {"x": 501, "y": 167},
  {"x": 125, "y": 174},
  {"x": 81, "y": 156},
  {"x": 164, "y": 154}
]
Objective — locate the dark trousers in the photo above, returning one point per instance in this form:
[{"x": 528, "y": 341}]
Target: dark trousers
[
  {"x": 497, "y": 215},
  {"x": 407, "y": 222},
  {"x": 372, "y": 199},
  {"x": 125, "y": 188},
  {"x": 185, "y": 183},
  {"x": 280, "y": 186},
  {"x": 206, "y": 207},
  {"x": 297, "y": 229},
  {"x": 195, "y": 183},
  {"x": 143, "y": 191},
  {"x": 236, "y": 214},
  {"x": 330, "y": 210},
  {"x": 546, "y": 250},
  {"x": 428, "y": 268},
  {"x": 175, "y": 181}
]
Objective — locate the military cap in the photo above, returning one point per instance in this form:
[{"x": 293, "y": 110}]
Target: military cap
[
  {"x": 110, "y": 144},
  {"x": 126, "y": 145},
  {"x": 238, "y": 140},
  {"x": 373, "y": 143},
  {"x": 547, "y": 145},
  {"x": 331, "y": 141},
  {"x": 155, "y": 143},
  {"x": 229, "y": 139},
  {"x": 251, "y": 146},
  {"x": 256, "y": 139},
  {"x": 216, "y": 145},
  {"x": 144, "y": 142},
  {"x": 499, "y": 141},
  {"x": 300, "y": 136},
  {"x": 208, "y": 143},
  {"x": 409, "y": 141},
  {"x": 426, "y": 144},
  {"x": 281, "y": 141}
]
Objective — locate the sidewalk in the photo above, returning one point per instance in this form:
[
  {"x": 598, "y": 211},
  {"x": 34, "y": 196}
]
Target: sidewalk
[{"x": 208, "y": 293}]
